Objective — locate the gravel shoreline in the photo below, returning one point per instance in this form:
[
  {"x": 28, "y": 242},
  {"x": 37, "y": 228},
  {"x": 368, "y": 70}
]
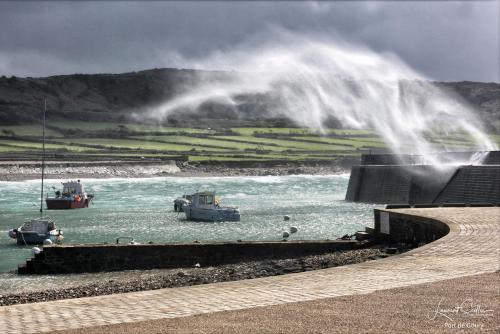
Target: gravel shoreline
[
  {"x": 194, "y": 276},
  {"x": 21, "y": 171}
]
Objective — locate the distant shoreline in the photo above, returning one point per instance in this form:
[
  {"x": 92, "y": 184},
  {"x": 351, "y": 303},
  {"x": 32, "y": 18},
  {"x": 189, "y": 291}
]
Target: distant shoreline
[{"x": 23, "y": 171}]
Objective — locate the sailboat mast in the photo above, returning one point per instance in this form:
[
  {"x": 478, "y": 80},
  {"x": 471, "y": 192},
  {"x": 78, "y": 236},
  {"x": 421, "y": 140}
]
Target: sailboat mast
[{"x": 43, "y": 157}]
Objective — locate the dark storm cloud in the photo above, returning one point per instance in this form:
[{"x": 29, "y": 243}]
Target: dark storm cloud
[{"x": 443, "y": 40}]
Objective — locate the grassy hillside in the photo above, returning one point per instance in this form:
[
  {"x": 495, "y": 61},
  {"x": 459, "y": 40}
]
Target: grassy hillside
[
  {"x": 101, "y": 141},
  {"x": 105, "y": 98}
]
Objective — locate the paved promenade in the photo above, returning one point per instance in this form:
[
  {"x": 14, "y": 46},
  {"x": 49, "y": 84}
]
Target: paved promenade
[{"x": 472, "y": 247}]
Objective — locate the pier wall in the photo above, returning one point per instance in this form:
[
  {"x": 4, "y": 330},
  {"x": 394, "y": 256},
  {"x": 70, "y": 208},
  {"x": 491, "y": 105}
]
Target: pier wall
[
  {"x": 490, "y": 158},
  {"x": 394, "y": 227},
  {"x": 472, "y": 184},
  {"x": 396, "y": 184},
  {"x": 380, "y": 180},
  {"x": 58, "y": 259}
]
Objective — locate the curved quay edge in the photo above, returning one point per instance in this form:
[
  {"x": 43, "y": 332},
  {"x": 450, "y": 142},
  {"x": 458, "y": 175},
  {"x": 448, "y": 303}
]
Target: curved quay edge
[{"x": 471, "y": 247}]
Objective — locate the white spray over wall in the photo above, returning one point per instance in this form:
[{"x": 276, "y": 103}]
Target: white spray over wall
[{"x": 310, "y": 81}]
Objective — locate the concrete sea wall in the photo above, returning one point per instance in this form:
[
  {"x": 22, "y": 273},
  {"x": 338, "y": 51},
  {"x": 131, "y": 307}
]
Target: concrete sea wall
[
  {"x": 394, "y": 227},
  {"x": 396, "y": 184},
  {"x": 472, "y": 184},
  {"x": 490, "y": 158},
  {"x": 56, "y": 259},
  {"x": 424, "y": 184}
]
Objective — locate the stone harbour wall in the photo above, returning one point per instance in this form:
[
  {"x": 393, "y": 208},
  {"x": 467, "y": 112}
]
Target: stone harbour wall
[
  {"x": 394, "y": 227},
  {"x": 396, "y": 184},
  {"x": 490, "y": 158},
  {"x": 423, "y": 184},
  {"x": 58, "y": 259}
]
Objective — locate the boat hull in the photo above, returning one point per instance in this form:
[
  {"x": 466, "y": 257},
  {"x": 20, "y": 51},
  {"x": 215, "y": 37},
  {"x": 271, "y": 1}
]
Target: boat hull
[
  {"x": 211, "y": 215},
  {"x": 66, "y": 203},
  {"x": 33, "y": 238}
]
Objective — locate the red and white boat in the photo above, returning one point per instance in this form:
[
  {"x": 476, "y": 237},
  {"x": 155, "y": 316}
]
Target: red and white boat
[{"x": 72, "y": 197}]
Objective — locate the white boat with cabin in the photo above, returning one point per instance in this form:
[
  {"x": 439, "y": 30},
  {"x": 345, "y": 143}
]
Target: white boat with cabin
[{"x": 205, "y": 206}]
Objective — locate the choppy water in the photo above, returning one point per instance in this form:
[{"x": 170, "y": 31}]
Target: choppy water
[{"x": 143, "y": 209}]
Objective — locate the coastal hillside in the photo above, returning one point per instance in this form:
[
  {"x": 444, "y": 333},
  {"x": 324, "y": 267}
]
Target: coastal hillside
[{"x": 114, "y": 97}]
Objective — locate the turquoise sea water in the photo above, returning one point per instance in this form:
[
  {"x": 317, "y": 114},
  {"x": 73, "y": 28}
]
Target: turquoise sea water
[{"x": 143, "y": 209}]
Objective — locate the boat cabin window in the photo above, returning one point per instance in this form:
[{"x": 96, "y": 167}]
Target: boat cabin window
[
  {"x": 69, "y": 188},
  {"x": 209, "y": 199},
  {"x": 206, "y": 199},
  {"x": 72, "y": 188}
]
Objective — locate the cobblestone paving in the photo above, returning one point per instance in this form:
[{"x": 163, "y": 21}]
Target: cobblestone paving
[{"x": 472, "y": 247}]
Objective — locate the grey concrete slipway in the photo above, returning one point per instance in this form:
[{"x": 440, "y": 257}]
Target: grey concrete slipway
[{"x": 472, "y": 247}]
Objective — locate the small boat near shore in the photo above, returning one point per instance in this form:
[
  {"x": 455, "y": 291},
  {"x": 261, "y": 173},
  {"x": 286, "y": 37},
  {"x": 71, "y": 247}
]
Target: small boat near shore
[
  {"x": 205, "y": 206},
  {"x": 72, "y": 197},
  {"x": 36, "y": 232},
  {"x": 180, "y": 202}
]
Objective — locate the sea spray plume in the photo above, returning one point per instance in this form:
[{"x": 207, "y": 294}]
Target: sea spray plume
[{"x": 311, "y": 81}]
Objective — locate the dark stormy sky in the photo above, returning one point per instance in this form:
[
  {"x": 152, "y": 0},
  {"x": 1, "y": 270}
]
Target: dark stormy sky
[{"x": 448, "y": 41}]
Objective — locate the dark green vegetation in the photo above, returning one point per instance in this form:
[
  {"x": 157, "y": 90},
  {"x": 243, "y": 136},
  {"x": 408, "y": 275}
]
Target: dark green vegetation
[
  {"x": 102, "y": 141},
  {"x": 114, "y": 97}
]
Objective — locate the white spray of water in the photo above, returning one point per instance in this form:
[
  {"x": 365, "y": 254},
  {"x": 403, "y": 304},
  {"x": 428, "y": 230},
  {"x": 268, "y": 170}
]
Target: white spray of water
[{"x": 311, "y": 81}]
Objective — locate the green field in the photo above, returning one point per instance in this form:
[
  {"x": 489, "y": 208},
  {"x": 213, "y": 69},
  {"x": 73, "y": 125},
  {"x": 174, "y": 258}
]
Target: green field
[
  {"x": 283, "y": 143},
  {"x": 209, "y": 141},
  {"x": 27, "y": 131},
  {"x": 88, "y": 126},
  {"x": 132, "y": 144},
  {"x": 109, "y": 140},
  {"x": 299, "y": 131},
  {"x": 27, "y": 145}
]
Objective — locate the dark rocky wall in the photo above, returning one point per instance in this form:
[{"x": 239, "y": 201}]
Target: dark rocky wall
[{"x": 56, "y": 259}]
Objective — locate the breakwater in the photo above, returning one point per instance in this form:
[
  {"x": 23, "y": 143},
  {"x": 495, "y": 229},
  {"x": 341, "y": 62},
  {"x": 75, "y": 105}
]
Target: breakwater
[
  {"x": 488, "y": 158},
  {"x": 394, "y": 227},
  {"x": 381, "y": 180},
  {"x": 57, "y": 259}
]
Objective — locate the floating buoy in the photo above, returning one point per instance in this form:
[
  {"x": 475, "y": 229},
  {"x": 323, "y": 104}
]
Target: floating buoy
[
  {"x": 286, "y": 235},
  {"x": 293, "y": 229},
  {"x": 36, "y": 250},
  {"x": 47, "y": 242},
  {"x": 286, "y": 218},
  {"x": 13, "y": 234},
  {"x": 197, "y": 265}
]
